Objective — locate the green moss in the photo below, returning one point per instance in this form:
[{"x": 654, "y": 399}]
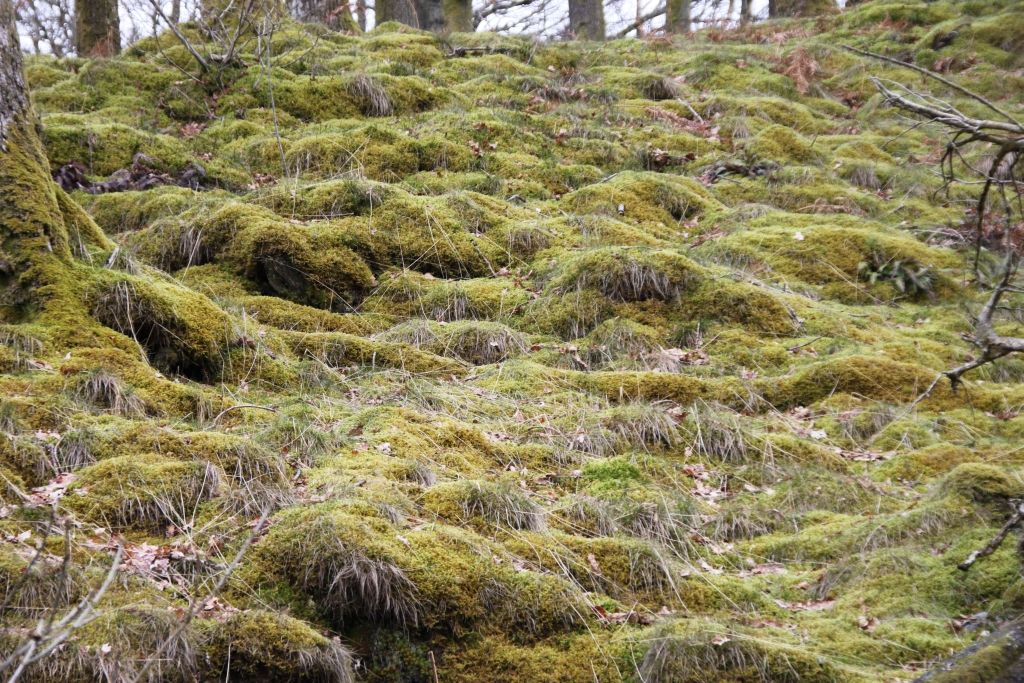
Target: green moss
[
  {"x": 628, "y": 275},
  {"x": 554, "y": 661},
  {"x": 264, "y": 645},
  {"x": 142, "y": 491},
  {"x": 105, "y": 148},
  {"x": 532, "y": 392},
  {"x": 643, "y": 198},
  {"x": 178, "y": 330},
  {"x": 479, "y": 343},
  {"x": 125, "y": 211},
  {"x": 497, "y": 504},
  {"x": 981, "y": 483},
  {"x": 708, "y": 651},
  {"x": 337, "y": 349}
]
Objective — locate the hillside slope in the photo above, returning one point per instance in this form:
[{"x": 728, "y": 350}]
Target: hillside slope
[{"x": 551, "y": 361}]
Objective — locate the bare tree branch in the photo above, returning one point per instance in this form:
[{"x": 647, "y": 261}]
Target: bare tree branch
[
  {"x": 641, "y": 20},
  {"x": 945, "y": 81},
  {"x": 997, "y": 540}
]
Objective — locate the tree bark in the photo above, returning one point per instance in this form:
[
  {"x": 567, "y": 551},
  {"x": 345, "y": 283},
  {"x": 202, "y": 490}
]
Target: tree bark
[
  {"x": 745, "y": 12},
  {"x": 13, "y": 94},
  {"x": 403, "y": 11},
  {"x": 333, "y": 13},
  {"x": 32, "y": 232},
  {"x": 800, "y": 8},
  {"x": 677, "y": 19},
  {"x": 361, "y": 14},
  {"x": 458, "y": 16},
  {"x": 439, "y": 16},
  {"x": 431, "y": 15},
  {"x": 586, "y": 19},
  {"x": 97, "y": 28}
]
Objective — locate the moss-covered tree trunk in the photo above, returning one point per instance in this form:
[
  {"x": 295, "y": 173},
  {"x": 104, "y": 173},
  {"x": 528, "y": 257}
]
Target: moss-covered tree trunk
[
  {"x": 333, "y": 13},
  {"x": 36, "y": 216},
  {"x": 586, "y": 19},
  {"x": 30, "y": 218},
  {"x": 97, "y": 28},
  {"x": 458, "y": 15},
  {"x": 430, "y": 15},
  {"x": 800, "y": 8},
  {"x": 403, "y": 11},
  {"x": 677, "y": 16}
]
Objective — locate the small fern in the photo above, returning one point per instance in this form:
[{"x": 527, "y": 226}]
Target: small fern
[{"x": 909, "y": 277}]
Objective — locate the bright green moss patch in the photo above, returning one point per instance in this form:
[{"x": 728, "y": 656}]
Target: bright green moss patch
[{"x": 142, "y": 491}]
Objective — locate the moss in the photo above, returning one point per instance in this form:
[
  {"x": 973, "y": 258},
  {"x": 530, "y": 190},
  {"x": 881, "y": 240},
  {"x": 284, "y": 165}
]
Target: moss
[
  {"x": 981, "y": 483},
  {"x": 628, "y": 275},
  {"x": 479, "y": 343},
  {"x": 708, "y": 651},
  {"x": 261, "y": 645},
  {"x": 409, "y": 579},
  {"x": 373, "y": 153},
  {"x": 688, "y": 394},
  {"x": 644, "y": 197},
  {"x": 876, "y": 378},
  {"x": 286, "y": 315},
  {"x": 337, "y": 349},
  {"x": 125, "y": 211},
  {"x": 180, "y": 331},
  {"x": 142, "y": 491},
  {"x": 310, "y": 265},
  {"x": 547, "y": 662},
  {"x": 106, "y": 148},
  {"x": 338, "y": 97},
  {"x": 497, "y": 504},
  {"x": 752, "y": 307}
]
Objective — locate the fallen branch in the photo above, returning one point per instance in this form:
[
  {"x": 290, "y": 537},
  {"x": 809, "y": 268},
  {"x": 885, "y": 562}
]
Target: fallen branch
[
  {"x": 945, "y": 81},
  {"x": 1015, "y": 519}
]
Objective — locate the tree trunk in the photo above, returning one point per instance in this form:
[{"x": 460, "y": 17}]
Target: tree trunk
[
  {"x": 175, "y": 15},
  {"x": 403, "y": 11},
  {"x": 431, "y": 15},
  {"x": 33, "y": 235},
  {"x": 97, "y": 28},
  {"x": 333, "y": 13},
  {"x": 458, "y": 15},
  {"x": 361, "y": 14},
  {"x": 677, "y": 16},
  {"x": 439, "y": 16},
  {"x": 800, "y": 8},
  {"x": 586, "y": 19},
  {"x": 745, "y": 12}
]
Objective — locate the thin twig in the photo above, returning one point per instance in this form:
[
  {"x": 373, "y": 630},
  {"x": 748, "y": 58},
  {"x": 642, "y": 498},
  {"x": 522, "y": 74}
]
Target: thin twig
[{"x": 997, "y": 540}]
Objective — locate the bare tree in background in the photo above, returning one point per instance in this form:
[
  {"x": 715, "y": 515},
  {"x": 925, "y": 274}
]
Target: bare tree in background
[
  {"x": 97, "y": 28},
  {"x": 333, "y": 13},
  {"x": 586, "y": 19},
  {"x": 49, "y": 25},
  {"x": 439, "y": 16},
  {"x": 800, "y": 8},
  {"x": 677, "y": 19}
]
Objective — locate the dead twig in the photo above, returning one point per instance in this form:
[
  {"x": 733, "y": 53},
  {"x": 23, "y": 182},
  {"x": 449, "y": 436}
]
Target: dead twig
[{"x": 1015, "y": 519}]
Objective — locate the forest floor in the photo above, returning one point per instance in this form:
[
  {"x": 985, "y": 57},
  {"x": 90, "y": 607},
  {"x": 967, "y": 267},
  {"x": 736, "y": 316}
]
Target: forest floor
[{"x": 550, "y": 361}]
